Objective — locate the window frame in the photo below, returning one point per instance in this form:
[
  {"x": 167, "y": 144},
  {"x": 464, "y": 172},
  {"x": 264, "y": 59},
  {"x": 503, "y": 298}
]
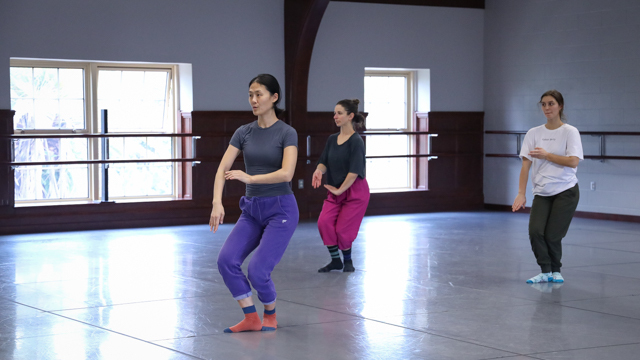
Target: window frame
[
  {"x": 410, "y": 101},
  {"x": 175, "y": 143},
  {"x": 37, "y": 63},
  {"x": 410, "y": 90},
  {"x": 93, "y": 124}
]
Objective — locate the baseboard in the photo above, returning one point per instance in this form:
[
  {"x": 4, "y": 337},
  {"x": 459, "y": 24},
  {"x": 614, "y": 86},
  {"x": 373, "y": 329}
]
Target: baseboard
[{"x": 578, "y": 214}]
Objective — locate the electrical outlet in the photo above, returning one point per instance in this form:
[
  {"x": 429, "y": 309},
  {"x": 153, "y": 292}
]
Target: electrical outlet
[
  {"x": 593, "y": 185},
  {"x": 300, "y": 183}
]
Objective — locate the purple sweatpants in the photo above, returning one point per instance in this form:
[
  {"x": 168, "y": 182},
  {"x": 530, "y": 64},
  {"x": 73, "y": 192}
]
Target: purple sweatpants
[
  {"x": 266, "y": 226},
  {"x": 342, "y": 215}
]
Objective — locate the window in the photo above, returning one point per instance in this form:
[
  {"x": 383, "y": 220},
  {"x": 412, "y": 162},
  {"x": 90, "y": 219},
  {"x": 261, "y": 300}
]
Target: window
[
  {"x": 138, "y": 101},
  {"x": 64, "y": 98},
  {"x": 388, "y": 100}
]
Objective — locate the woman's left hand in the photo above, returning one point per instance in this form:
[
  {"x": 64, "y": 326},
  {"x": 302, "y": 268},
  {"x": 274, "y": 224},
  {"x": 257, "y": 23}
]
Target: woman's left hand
[
  {"x": 539, "y": 153},
  {"x": 238, "y": 175},
  {"x": 335, "y": 191},
  {"x": 316, "y": 180}
]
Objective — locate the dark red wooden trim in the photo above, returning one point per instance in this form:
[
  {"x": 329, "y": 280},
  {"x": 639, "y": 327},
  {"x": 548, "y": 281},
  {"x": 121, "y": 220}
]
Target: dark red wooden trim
[
  {"x": 7, "y": 191},
  {"x": 421, "y": 124},
  {"x": 54, "y": 218},
  {"x": 301, "y": 23},
  {"x": 579, "y": 214},
  {"x": 185, "y": 187},
  {"x": 503, "y": 155},
  {"x": 473, "y": 4},
  {"x": 604, "y": 216},
  {"x": 419, "y": 201},
  {"x": 505, "y": 132}
]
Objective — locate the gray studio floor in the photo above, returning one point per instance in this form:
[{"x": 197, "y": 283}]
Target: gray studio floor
[{"x": 426, "y": 286}]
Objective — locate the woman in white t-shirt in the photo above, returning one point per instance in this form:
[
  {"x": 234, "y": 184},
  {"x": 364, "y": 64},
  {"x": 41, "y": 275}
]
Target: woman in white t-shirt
[{"x": 553, "y": 150}]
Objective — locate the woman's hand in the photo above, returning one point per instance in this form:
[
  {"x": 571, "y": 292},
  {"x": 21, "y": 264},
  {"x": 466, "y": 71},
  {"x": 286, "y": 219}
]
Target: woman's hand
[
  {"x": 539, "y": 153},
  {"x": 316, "y": 181},
  {"x": 335, "y": 191},
  {"x": 518, "y": 203},
  {"x": 217, "y": 215},
  {"x": 238, "y": 175}
]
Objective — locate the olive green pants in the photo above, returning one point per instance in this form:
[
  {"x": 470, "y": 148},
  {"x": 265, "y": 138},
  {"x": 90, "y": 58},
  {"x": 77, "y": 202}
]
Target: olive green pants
[{"x": 548, "y": 223}]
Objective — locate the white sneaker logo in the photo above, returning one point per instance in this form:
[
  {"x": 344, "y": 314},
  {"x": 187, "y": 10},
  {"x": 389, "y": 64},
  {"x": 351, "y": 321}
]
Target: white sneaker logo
[{"x": 284, "y": 221}]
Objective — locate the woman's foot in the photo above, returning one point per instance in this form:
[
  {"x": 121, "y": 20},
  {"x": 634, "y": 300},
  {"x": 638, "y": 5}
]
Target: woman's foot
[
  {"x": 348, "y": 266},
  {"x": 269, "y": 322},
  {"x": 335, "y": 264},
  {"x": 540, "y": 278},
  {"x": 251, "y": 322},
  {"x": 557, "y": 277}
]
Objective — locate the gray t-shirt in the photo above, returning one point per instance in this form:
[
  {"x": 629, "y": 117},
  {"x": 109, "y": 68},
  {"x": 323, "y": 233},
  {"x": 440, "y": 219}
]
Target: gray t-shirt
[{"x": 263, "y": 150}]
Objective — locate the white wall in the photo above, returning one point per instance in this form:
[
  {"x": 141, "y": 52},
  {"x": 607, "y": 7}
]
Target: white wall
[
  {"x": 590, "y": 52},
  {"x": 352, "y": 36},
  {"x": 423, "y": 90},
  {"x": 227, "y": 42}
]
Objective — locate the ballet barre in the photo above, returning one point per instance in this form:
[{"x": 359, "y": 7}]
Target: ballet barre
[{"x": 601, "y": 144}]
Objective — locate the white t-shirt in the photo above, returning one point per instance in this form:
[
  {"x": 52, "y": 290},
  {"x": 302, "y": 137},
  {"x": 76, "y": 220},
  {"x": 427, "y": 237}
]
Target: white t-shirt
[{"x": 549, "y": 178}]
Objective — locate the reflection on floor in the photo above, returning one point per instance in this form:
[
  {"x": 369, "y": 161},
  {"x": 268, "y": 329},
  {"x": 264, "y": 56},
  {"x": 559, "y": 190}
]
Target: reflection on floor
[{"x": 426, "y": 286}]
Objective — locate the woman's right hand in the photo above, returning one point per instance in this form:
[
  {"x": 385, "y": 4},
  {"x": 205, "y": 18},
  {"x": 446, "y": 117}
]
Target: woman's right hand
[
  {"x": 518, "y": 203},
  {"x": 217, "y": 215},
  {"x": 316, "y": 181}
]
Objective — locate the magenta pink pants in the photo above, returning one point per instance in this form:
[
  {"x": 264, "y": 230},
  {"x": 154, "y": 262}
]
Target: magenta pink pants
[{"x": 342, "y": 215}]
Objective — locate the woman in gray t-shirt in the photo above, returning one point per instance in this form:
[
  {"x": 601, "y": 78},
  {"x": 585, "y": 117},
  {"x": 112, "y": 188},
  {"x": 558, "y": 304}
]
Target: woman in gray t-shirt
[{"x": 269, "y": 209}]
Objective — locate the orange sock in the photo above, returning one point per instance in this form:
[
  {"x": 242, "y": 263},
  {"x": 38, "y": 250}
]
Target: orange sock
[
  {"x": 269, "y": 322},
  {"x": 251, "y": 322}
]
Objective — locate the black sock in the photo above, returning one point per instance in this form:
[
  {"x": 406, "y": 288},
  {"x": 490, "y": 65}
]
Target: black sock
[
  {"x": 336, "y": 263},
  {"x": 334, "y": 252},
  {"x": 346, "y": 254},
  {"x": 348, "y": 264}
]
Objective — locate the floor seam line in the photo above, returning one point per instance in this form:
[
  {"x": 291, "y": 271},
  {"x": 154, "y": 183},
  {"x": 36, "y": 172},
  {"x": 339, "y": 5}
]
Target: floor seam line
[
  {"x": 104, "y": 329},
  {"x": 399, "y": 326},
  {"x": 585, "y": 348},
  {"x": 601, "y": 313}
]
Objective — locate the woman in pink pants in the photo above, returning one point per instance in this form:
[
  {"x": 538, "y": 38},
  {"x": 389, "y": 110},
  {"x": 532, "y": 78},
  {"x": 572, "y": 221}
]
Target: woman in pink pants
[{"x": 343, "y": 162}]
